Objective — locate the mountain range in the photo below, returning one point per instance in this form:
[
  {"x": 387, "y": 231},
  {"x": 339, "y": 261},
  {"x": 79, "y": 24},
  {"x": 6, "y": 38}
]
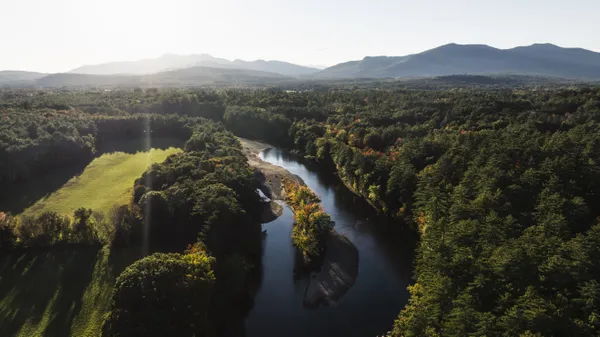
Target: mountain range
[
  {"x": 546, "y": 60},
  {"x": 186, "y": 77},
  {"x": 169, "y": 62},
  {"x": 451, "y": 59}
]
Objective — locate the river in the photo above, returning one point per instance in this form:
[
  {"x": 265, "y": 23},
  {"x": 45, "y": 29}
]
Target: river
[{"x": 371, "y": 305}]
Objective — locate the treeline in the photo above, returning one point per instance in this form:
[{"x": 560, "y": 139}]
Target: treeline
[
  {"x": 32, "y": 143},
  {"x": 207, "y": 188},
  {"x": 204, "y": 198},
  {"x": 163, "y": 293},
  {"x": 501, "y": 184},
  {"x": 311, "y": 223},
  {"x": 196, "y": 103},
  {"x": 50, "y": 229},
  {"x": 509, "y": 240},
  {"x": 258, "y": 123},
  {"x": 44, "y": 130},
  {"x": 41, "y": 141}
]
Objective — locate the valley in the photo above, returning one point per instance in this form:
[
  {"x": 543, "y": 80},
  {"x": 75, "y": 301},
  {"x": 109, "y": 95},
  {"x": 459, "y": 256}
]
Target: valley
[
  {"x": 387, "y": 211},
  {"x": 300, "y": 168}
]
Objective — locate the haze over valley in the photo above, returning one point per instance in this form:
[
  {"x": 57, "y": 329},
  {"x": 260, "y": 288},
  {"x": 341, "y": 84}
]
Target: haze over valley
[
  {"x": 314, "y": 168},
  {"x": 544, "y": 60}
]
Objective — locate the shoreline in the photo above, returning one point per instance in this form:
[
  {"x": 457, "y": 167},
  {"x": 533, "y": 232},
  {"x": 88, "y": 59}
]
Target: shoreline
[
  {"x": 269, "y": 176},
  {"x": 339, "y": 270}
]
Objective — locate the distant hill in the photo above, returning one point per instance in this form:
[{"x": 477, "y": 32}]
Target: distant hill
[
  {"x": 280, "y": 67},
  {"x": 148, "y": 66},
  {"x": 18, "y": 78},
  {"x": 172, "y": 62},
  {"x": 452, "y": 59},
  {"x": 84, "y": 80},
  {"x": 213, "y": 76},
  {"x": 193, "y": 76},
  {"x": 538, "y": 63}
]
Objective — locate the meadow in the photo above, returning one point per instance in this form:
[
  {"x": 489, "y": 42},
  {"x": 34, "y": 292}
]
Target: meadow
[
  {"x": 106, "y": 181},
  {"x": 66, "y": 292},
  {"x": 59, "y": 292}
]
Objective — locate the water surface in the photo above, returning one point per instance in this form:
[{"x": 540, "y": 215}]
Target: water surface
[{"x": 370, "y": 307}]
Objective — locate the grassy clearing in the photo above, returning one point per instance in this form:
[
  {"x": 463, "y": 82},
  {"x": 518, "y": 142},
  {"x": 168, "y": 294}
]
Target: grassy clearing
[
  {"x": 106, "y": 181},
  {"x": 66, "y": 292},
  {"x": 59, "y": 293}
]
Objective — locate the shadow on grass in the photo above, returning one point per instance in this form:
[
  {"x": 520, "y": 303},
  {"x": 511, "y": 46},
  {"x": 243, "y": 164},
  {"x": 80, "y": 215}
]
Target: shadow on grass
[
  {"x": 133, "y": 146},
  {"x": 32, "y": 282},
  {"x": 22, "y": 195},
  {"x": 43, "y": 292}
]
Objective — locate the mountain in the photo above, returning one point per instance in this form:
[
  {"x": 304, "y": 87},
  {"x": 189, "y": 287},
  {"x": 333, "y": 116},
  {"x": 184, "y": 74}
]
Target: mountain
[
  {"x": 560, "y": 54},
  {"x": 85, "y": 80},
  {"x": 538, "y": 61},
  {"x": 280, "y": 67},
  {"x": 148, "y": 66},
  {"x": 451, "y": 59},
  {"x": 173, "y": 61},
  {"x": 192, "y": 76},
  {"x": 316, "y": 66},
  {"x": 200, "y": 75},
  {"x": 18, "y": 78}
]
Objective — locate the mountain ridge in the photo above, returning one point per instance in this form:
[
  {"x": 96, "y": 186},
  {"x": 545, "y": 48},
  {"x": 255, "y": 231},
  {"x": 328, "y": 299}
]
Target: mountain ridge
[
  {"x": 169, "y": 61},
  {"x": 540, "y": 59},
  {"x": 192, "y": 76},
  {"x": 477, "y": 59}
]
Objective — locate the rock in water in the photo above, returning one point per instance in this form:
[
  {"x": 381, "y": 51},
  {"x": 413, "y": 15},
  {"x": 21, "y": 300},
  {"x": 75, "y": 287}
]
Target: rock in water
[{"x": 338, "y": 272}]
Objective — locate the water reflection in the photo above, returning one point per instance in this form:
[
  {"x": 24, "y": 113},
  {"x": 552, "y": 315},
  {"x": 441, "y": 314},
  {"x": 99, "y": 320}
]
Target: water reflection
[{"x": 385, "y": 253}]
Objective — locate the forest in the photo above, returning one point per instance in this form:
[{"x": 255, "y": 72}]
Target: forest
[
  {"x": 501, "y": 184},
  {"x": 194, "y": 209}
]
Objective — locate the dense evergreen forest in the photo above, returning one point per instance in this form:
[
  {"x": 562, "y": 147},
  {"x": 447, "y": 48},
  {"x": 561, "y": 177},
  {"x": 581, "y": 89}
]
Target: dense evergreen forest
[
  {"x": 501, "y": 184},
  {"x": 204, "y": 199}
]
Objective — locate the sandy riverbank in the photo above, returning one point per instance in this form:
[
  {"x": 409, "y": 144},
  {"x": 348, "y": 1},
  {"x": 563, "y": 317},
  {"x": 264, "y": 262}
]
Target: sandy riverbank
[
  {"x": 340, "y": 265},
  {"x": 270, "y": 177}
]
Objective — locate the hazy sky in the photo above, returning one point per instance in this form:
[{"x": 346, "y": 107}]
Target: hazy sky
[{"x": 58, "y": 35}]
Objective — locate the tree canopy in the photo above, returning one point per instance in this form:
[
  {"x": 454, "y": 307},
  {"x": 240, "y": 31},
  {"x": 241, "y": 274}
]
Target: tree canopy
[{"x": 163, "y": 295}]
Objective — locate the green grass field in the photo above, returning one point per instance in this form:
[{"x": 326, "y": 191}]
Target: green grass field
[
  {"x": 66, "y": 292},
  {"x": 106, "y": 181},
  {"x": 59, "y": 293}
]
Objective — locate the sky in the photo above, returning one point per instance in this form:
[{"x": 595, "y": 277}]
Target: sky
[{"x": 59, "y": 35}]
